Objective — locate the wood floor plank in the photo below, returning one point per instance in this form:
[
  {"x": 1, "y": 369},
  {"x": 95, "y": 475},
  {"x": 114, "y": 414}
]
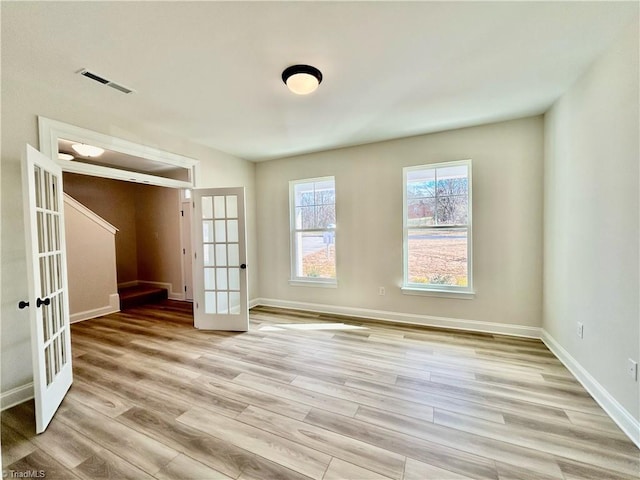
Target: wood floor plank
[
  {"x": 535, "y": 461},
  {"x": 297, "y": 394},
  {"x": 140, "y": 450},
  {"x": 38, "y": 465},
  {"x": 305, "y": 395},
  {"x": 542, "y": 441},
  {"x": 362, "y": 454},
  {"x": 186, "y": 468},
  {"x": 429, "y": 452},
  {"x": 297, "y": 457},
  {"x": 106, "y": 465},
  {"x": 14, "y": 445},
  {"x": 341, "y": 470},
  {"x": 200, "y": 444},
  {"x": 415, "y": 470},
  {"x": 362, "y": 397}
]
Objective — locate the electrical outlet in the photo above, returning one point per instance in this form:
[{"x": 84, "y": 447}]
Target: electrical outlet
[
  {"x": 381, "y": 291},
  {"x": 632, "y": 369},
  {"x": 580, "y": 330}
]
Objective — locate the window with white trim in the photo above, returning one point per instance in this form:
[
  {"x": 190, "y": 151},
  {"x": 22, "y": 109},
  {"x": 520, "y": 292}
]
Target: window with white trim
[
  {"x": 437, "y": 227},
  {"x": 313, "y": 231}
]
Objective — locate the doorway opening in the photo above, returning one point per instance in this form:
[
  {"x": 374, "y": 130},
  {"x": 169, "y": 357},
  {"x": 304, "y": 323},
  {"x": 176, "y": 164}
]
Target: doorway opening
[{"x": 138, "y": 190}]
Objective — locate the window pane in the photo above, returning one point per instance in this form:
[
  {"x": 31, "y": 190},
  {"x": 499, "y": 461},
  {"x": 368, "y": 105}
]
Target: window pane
[
  {"x": 438, "y": 257},
  {"x": 209, "y": 302},
  {"x": 421, "y": 212},
  {"x": 452, "y": 180},
  {"x": 223, "y": 302},
  {"x": 234, "y": 255},
  {"x": 221, "y": 255},
  {"x": 304, "y": 194},
  {"x": 221, "y": 231},
  {"x": 421, "y": 183},
  {"x": 209, "y": 278},
  {"x": 232, "y": 230},
  {"x": 452, "y": 210},
  {"x": 325, "y": 192},
  {"x": 316, "y": 254},
  {"x": 207, "y": 207},
  {"x": 218, "y": 206},
  {"x": 234, "y": 303},
  {"x": 207, "y": 231},
  {"x": 232, "y": 206},
  {"x": 208, "y": 259},
  {"x": 325, "y": 216},
  {"x": 305, "y": 218}
]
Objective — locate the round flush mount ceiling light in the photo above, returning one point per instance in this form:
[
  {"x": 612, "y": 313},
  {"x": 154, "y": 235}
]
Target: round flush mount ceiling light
[
  {"x": 87, "y": 150},
  {"x": 302, "y": 79},
  {"x": 65, "y": 156}
]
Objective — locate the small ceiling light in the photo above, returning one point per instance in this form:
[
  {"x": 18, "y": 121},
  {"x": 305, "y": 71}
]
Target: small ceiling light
[
  {"x": 87, "y": 150},
  {"x": 302, "y": 79},
  {"x": 65, "y": 156}
]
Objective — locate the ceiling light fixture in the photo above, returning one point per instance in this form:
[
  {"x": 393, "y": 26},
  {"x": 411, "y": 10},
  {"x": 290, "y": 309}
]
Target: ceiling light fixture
[
  {"x": 302, "y": 79},
  {"x": 87, "y": 150},
  {"x": 65, "y": 156}
]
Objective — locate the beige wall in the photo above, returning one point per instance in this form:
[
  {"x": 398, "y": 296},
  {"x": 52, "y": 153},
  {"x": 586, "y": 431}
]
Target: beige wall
[
  {"x": 91, "y": 262},
  {"x": 115, "y": 201},
  {"x": 22, "y": 102},
  {"x": 507, "y": 215},
  {"x": 158, "y": 236},
  {"x": 147, "y": 217},
  {"x": 591, "y": 220}
]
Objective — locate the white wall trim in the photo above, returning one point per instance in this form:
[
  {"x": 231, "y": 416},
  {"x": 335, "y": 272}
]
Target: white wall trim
[
  {"x": 171, "y": 294},
  {"x": 90, "y": 214},
  {"x": 113, "y": 307},
  {"x": 132, "y": 283},
  {"x": 617, "y": 412},
  {"x": 254, "y": 302},
  {"x": 16, "y": 396},
  {"x": 408, "y": 318}
]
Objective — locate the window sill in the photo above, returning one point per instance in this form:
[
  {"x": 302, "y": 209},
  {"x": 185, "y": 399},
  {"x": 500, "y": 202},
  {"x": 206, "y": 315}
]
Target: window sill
[
  {"x": 438, "y": 293},
  {"x": 313, "y": 283}
]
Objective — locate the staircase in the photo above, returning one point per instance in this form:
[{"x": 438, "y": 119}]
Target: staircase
[{"x": 140, "y": 295}]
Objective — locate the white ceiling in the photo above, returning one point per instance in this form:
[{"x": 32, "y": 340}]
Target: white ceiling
[{"x": 210, "y": 71}]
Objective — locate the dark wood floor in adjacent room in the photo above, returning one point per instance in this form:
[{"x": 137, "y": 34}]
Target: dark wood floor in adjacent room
[{"x": 298, "y": 398}]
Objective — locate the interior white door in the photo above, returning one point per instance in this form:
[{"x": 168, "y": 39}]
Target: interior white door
[
  {"x": 220, "y": 270},
  {"x": 48, "y": 292}
]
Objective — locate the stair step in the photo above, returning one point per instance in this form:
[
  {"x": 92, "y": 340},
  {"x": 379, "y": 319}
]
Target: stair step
[{"x": 141, "y": 295}]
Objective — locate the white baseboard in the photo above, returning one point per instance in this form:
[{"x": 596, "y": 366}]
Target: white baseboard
[
  {"x": 133, "y": 283},
  {"x": 168, "y": 286},
  {"x": 113, "y": 307},
  {"x": 254, "y": 302},
  {"x": 617, "y": 412},
  {"x": 408, "y": 318},
  {"x": 15, "y": 396}
]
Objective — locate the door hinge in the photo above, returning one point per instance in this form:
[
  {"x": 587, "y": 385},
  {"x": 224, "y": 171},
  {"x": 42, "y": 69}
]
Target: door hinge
[
  {"x": 184, "y": 251},
  {"x": 197, "y": 306},
  {"x": 195, "y": 255},
  {"x": 182, "y": 212},
  {"x": 185, "y": 288}
]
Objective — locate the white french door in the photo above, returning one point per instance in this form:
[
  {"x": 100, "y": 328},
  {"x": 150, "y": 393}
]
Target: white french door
[
  {"x": 220, "y": 256},
  {"x": 48, "y": 293}
]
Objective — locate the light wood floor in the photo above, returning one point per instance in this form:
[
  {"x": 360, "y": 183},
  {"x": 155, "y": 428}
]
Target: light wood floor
[{"x": 299, "y": 398}]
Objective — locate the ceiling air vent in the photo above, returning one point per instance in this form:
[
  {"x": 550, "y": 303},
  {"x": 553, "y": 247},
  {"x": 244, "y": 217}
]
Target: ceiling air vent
[{"x": 100, "y": 79}]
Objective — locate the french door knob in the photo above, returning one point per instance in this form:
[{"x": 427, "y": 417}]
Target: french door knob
[
  {"x": 243, "y": 266},
  {"x": 40, "y": 302},
  {"x": 22, "y": 304}
]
